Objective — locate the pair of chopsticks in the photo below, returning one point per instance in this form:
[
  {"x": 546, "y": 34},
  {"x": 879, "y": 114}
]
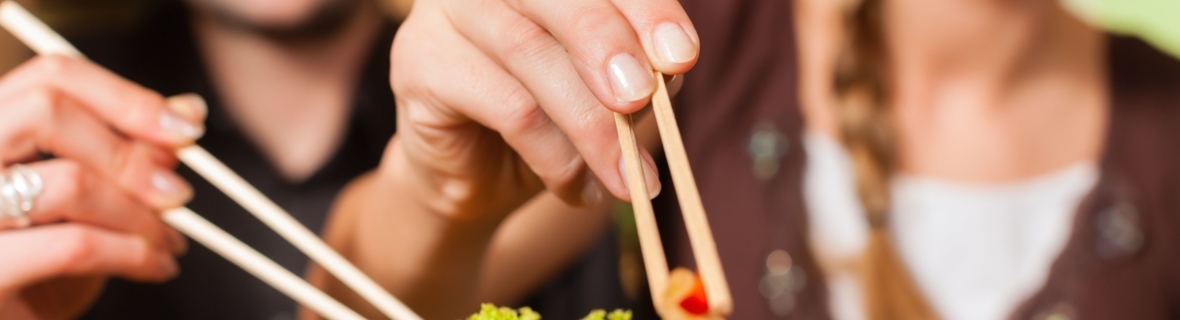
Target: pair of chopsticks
[
  {"x": 44, "y": 41},
  {"x": 700, "y": 236}
]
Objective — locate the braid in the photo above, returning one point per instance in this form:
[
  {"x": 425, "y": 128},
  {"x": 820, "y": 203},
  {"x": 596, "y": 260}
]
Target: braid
[{"x": 867, "y": 132}]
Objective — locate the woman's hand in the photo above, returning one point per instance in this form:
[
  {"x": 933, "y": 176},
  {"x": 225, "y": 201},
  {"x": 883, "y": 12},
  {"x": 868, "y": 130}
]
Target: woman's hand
[
  {"x": 499, "y": 99},
  {"x": 111, "y": 171}
]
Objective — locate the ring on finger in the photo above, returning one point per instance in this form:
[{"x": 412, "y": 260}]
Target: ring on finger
[{"x": 19, "y": 188}]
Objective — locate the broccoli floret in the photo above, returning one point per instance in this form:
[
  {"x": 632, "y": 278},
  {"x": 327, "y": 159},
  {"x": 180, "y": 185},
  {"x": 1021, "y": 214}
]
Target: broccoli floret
[
  {"x": 619, "y": 315},
  {"x": 488, "y": 311},
  {"x": 613, "y": 315}
]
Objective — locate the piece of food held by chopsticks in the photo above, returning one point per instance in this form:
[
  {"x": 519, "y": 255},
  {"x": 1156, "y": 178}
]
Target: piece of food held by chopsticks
[
  {"x": 683, "y": 295},
  {"x": 44, "y": 41}
]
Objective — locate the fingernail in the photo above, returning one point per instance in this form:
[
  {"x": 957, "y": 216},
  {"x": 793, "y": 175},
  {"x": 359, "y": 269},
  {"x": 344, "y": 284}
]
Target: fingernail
[
  {"x": 673, "y": 44},
  {"x": 178, "y": 244},
  {"x": 623, "y": 173},
  {"x": 591, "y": 193},
  {"x": 189, "y": 105},
  {"x": 168, "y": 185},
  {"x": 168, "y": 266},
  {"x": 178, "y": 125},
  {"x": 650, "y": 178},
  {"x": 629, "y": 79}
]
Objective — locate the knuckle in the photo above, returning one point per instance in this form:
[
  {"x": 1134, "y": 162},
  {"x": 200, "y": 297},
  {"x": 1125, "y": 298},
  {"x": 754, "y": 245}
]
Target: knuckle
[
  {"x": 42, "y": 106},
  {"x": 53, "y": 64},
  {"x": 406, "y": 60},
  {"x": 594, "y": 17},
  {"x": 75, "y": 248},
  {"x": 417, "y": 114},
  {"x": 43, "y": 98},
  {"x": 564, "y": 175},
  {"x": 524, "y": 40},
  {"x": 516, "y": 4},
  {"x": 142, "y": 108},
  {"x": 73, "y": 182},
  {"x": 123, "y": 163},
  {"x": 522, "y": 113}
]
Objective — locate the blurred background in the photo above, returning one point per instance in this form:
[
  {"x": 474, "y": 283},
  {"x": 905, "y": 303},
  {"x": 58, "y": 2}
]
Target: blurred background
[
  {"x": 1153, "y": 20},
  {"x": 86, "y": 16},
  {"x": 1148, "y": 19}
]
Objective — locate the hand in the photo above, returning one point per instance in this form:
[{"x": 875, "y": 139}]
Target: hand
[
  {"x": 111, "y": 143},
  {"x": 499, "y": 99}
]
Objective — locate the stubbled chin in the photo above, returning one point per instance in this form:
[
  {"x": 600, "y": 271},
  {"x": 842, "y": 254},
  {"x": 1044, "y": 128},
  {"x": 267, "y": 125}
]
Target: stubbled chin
[{"x": 281, "y": 18}]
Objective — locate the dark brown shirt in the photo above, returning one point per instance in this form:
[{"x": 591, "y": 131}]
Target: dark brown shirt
[
  {"x": 162, "y": 55},
  {"x": 739, "y": 114},
  {"x": 741, "y": 121}
]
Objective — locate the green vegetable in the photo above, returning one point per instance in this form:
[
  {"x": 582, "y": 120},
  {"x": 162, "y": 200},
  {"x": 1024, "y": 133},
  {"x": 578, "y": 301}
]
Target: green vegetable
[
  {"x": 614, "y": 315},
  {"x": 488, "y": 311}
]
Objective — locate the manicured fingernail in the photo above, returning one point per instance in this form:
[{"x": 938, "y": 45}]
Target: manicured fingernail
[
  {"x": 189, "y": 105},
  {"x": 673, "y": 44},
  {"x": 650, "y": 178},
  {"x": 629, "y": 79},
  {"x": 591, "y": 193},
  {"x": 169, "y": 186},
  {"x": 179, "y": 125}
]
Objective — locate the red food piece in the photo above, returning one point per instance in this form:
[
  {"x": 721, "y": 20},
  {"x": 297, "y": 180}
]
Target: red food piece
[{"x": 696, "y": 303}]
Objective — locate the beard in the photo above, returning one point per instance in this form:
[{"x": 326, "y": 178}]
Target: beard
[{"x": 325, "y": 20}]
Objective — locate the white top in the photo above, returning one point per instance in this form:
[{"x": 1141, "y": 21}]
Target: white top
[{"x": 976, "y": 251}]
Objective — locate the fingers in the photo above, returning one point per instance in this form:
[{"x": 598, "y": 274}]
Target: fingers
[
  {"x": 78, "y": 250},
  {"x": 132, "y": 109},
  {"x": 601, "y": 44},
  {"x": 190, "y": 106},
  {"x": 539, "y": 63},
  {"x": 72, "y": 193},
  {"x": 461, "y": 77},
  {"x": 614, "y": 46},
  {"x": 43, "y": 120},
  {"x": 667, "y": 35}
]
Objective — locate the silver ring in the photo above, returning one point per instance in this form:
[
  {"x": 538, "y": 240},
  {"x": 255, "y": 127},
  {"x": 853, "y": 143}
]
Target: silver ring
[{"x": 19, "y": 188}]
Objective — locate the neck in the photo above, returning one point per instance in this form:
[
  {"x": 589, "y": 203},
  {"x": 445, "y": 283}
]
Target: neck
[
  {"x": 290, "y": 96},
  {"x": 997, "y": 45},
  {"x": 993, "y": 90}
]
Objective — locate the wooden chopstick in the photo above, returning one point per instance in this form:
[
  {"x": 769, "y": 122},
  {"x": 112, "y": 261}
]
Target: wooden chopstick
[
  {"x": 650, "y": 245},
  {"x": 700, "y": 236},
  {"x": 278, "y": 219},
  {"x": 32, "y": 32},
  {"x": 44, "y": 41},
  {"x": 255, "y": 263}
]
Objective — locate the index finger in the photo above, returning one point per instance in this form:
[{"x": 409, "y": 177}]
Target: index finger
[
  {"x": 130, "y": 108},
  {"x": 604, "y": 42}
]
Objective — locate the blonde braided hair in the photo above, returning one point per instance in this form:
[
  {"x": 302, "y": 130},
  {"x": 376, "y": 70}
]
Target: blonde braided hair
[{"x": 867, "y": 132}]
